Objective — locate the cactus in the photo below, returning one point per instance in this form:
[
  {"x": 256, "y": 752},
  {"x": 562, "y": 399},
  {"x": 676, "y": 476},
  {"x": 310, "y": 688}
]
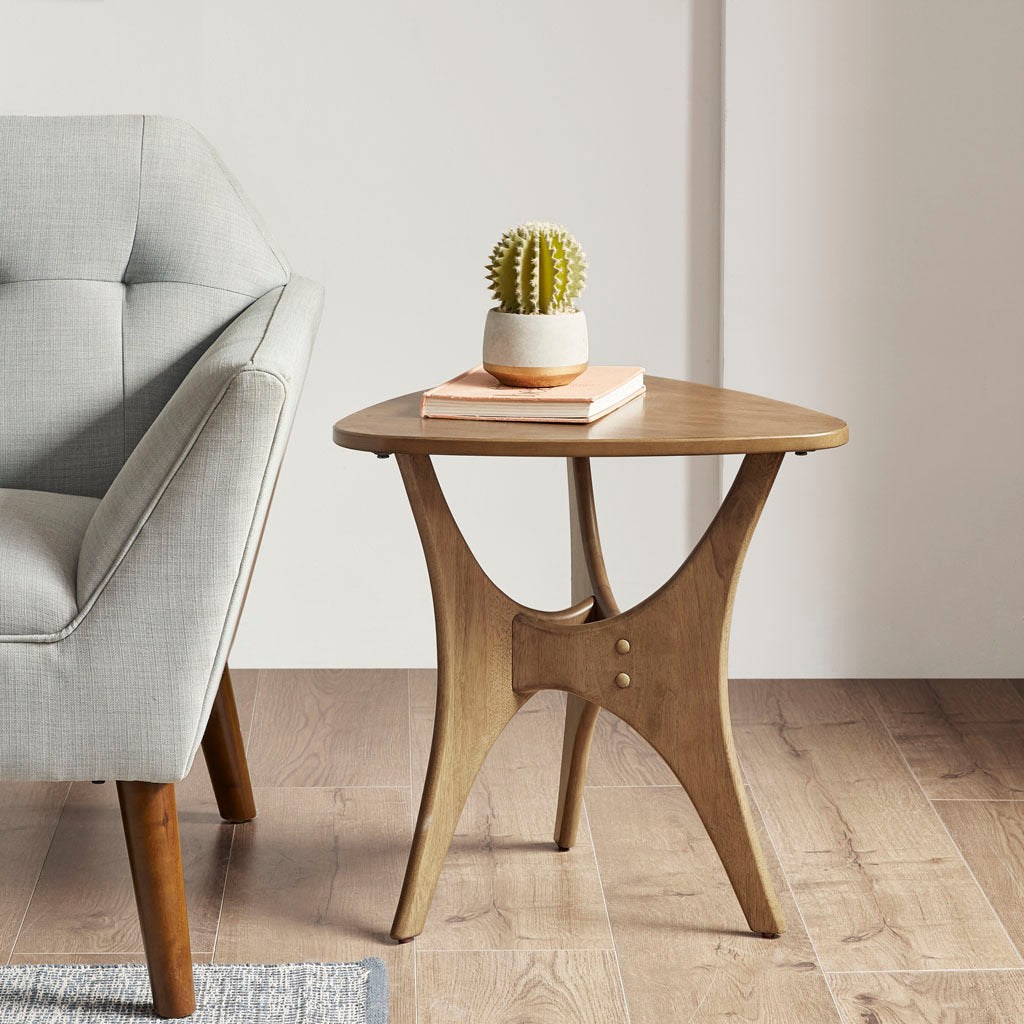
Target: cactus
[{"x": 537, "y": 268}]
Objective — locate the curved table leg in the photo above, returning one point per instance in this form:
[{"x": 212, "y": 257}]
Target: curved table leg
[
  {"x": 475, "y": 699},
  {"x": 708, "y": 771},
  {"x": 589, "y": 576},
  {"x": 580, "y": 721},
  {"x": 677, "y": 693}
]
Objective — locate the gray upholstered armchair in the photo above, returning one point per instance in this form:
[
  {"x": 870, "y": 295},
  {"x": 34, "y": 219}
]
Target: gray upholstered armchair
[{"x": 152, "y": 349}]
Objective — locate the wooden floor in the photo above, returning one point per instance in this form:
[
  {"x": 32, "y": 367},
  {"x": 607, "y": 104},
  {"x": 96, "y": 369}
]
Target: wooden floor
[{"x": 892, "y": 815}]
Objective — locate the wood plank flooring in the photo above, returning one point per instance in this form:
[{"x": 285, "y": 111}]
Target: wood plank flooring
[
  {"x": 891, "y": 814},
  {"x": 879, "y": 881}
]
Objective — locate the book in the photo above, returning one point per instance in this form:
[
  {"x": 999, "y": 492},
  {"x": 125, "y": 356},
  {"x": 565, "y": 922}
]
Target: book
[{"x": 476, "y": 395}]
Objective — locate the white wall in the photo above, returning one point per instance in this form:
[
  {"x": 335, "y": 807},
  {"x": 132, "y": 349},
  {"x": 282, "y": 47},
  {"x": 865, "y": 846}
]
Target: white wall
[
  {"x": 387, "y": 145},
  {"x": 874, "y": 269}
]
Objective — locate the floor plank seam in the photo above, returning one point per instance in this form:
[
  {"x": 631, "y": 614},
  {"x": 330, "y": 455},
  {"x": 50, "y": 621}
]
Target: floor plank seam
[
  {"x": 255, "y": 703},
  {"x": 318, "y": 788},
  {"x": 949, "y": 835},
  {"x": 975, "y": 800},
  {"x": 638, "y": 785},
  {"x": 234, "y": 828},
  {"x": 223, "y": 894},
  {"x": 254, "y": 718},
  {"x": 607, "y": 915},
  {"x": 39, "y": 873},
  {"x": 841, "y": 1017},
  {"x": 99, "y": 952},
  {"x": 764, "y": 982},
  {"x": 940, "y": 970},
  {"x": 506, "y": 950}
]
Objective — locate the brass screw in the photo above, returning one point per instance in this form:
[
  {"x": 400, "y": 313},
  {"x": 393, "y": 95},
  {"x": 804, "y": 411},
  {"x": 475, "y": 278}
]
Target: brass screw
[
  {"x": 622, "y": 680},
  {"x": 622, "y": 646}
]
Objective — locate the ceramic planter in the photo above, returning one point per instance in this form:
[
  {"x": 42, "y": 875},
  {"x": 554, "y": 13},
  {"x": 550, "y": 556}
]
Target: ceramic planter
[{"x": 535, "y": 350}]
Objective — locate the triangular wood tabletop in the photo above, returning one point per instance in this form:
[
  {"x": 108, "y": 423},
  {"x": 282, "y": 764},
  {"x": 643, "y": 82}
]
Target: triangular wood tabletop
[{"x": 673, "y": 417}]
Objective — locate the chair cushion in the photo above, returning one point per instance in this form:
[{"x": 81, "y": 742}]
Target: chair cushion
[{"x": 40, "y": 537}]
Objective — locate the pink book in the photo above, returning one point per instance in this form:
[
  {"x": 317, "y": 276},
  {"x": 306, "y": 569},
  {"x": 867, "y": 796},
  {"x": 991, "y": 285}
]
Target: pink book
[{"x": 476, "y": 395}]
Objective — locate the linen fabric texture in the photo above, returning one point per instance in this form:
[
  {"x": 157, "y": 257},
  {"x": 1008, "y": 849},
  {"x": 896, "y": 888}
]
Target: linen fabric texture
[
  {"x": 352, "y": 993},
  {"x": 153, "y": 345}
]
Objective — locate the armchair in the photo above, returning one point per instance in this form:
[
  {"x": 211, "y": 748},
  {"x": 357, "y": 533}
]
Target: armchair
[{"x": 153, "y": 345}]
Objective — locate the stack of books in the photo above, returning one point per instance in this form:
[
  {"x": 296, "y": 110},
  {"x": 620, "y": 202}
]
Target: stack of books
[{"x": 476, "y": 395}]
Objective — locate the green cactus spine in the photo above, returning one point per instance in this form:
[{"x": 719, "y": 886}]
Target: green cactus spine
[{"x": 537, "y": 268}]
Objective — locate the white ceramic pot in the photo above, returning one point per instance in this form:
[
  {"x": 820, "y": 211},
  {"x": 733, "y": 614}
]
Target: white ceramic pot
[{"x": 535, "y": 350}]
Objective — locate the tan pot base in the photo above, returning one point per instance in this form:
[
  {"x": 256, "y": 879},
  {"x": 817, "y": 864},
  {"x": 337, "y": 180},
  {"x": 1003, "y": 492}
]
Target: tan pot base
[{"x": 535, "y": 376}]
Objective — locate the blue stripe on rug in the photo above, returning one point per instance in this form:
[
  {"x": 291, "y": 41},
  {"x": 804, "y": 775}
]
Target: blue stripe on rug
[{"x": 306, "y": 993}]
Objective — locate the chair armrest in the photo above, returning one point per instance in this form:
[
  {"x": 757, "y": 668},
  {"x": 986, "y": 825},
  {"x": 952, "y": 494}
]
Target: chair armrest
[{"x": 238, "y": 401}]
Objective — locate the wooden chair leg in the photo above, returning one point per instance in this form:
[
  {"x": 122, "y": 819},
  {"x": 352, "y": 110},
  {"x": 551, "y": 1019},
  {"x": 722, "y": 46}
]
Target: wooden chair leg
[
  {"x": 224, "y": 751},
  {"x": 150, "y": 819}
]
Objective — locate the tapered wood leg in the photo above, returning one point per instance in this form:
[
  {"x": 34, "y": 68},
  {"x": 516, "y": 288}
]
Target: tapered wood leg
[
  {"x": 712, "y": 780},
  {"x": 224, "y": 751},
  {"x": 475, "y": 699},
  {"x": 462, "y": 739},
  {"x": 150, "y": 819},
  {"x": 580, "y": 720},
  {"x": 662, "y": 667},
  {"x": 588, "y": 576}
]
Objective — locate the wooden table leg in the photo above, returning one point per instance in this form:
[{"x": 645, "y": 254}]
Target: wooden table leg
[
  {"x": 589, "y": 576},
  {"x": 668, "y": 680},
  {"x": 671, "y": 684},
  {"x": 475, "y": 699}
]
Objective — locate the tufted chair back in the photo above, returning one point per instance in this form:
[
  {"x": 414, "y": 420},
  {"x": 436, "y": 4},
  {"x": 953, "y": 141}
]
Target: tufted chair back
[{"x": 126, "y": 247}]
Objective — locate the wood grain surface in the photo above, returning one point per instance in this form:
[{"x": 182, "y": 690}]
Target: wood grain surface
[
  {"x": 315, "y": 861},
  {"x": 552, "y": 987},
  {"x": 682, "y": 943},
  {"x": 673, "y": 418},
  {"x": 676, "y": 695},
  {"x": 224, "y": 752},
  {"x": 587, "y": 576},
  {"x": 317, "y": 873},
  {"x": 878, "y": 879},
  {"x": 84, "y": 902},
  {"x": 990, "y": 836},
  {"x": 475, "y": 699},
  {"x": 95, "y": 958},
  {"x": 940, "y": 997},
  {"x": 518, "y": 784},
  {"x": 29, "y": 812},
  {"x": 310, "y": 878},
  {"x": 334, "y": 727},
  {"x": 620, "y": 756},
  {"x": 963, "y": 738},
  {"x": 503, "y": 886},
  {"x": 149, "y": 814}
]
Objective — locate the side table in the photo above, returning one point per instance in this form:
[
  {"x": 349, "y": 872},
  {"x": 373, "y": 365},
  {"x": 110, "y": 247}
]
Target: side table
[{"x": 660, "y": 666}]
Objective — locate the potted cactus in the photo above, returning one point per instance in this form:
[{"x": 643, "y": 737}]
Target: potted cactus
[{"x": 535, "y": 337}]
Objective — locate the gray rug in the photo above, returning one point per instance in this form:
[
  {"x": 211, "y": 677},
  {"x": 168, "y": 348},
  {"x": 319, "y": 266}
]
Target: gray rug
[{"x": 225, "y": 994}]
